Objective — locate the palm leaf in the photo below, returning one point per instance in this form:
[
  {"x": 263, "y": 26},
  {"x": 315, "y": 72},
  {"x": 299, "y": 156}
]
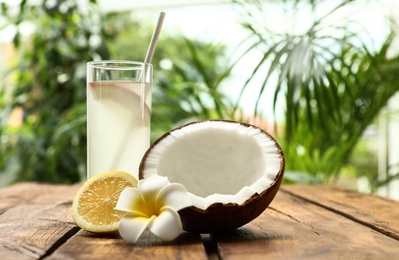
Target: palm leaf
[{"x": 332, "y": 86}]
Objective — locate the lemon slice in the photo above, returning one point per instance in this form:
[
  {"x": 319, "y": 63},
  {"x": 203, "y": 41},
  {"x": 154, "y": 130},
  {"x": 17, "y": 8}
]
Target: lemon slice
[{"x": 94, "y": 203}]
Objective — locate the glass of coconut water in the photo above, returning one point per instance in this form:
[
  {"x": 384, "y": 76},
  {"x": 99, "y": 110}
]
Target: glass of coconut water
[{"x": 119, "y": 97}]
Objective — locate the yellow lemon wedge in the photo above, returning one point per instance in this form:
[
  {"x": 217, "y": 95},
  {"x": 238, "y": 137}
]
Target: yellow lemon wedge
[{"x": 94, "y": 203}]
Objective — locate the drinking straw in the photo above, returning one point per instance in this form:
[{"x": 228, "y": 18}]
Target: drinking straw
[
  {"x": 154, "y": 38},
  {"x": 150, "y": 53},
  {"x": 148, "y": 58}
]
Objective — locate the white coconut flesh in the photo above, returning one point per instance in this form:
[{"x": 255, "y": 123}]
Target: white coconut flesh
[{"x": 217, "y": 161}]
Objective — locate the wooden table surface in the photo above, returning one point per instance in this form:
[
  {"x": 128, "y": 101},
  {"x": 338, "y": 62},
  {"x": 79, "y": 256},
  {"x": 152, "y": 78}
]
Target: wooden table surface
[{"x": 303, "y": 222}]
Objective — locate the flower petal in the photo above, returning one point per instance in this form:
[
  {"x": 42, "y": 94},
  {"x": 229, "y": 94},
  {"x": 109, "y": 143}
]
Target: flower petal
[
  {"x": 130, "y": 201},
  {"x": 175, "y": 196},
  {"x": 152, "y": 184},
  {"x": 131, "y": 227},
  {"x": 167, "y": 225},
  {"x": 149, "y": 189}
]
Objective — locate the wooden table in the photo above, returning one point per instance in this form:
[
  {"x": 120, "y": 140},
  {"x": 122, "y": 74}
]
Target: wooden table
[{"x": 303, "y": 222}]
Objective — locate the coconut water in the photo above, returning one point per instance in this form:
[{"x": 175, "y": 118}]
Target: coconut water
[{"x": 118, "y": 122}]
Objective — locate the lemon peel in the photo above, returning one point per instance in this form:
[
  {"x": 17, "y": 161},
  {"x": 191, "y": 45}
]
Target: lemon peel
[{"x": 152, "y": 205}]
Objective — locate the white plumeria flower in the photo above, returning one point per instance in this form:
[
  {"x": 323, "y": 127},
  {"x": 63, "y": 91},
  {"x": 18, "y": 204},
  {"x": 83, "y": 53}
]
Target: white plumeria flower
[{"x": 153, "y": 205}]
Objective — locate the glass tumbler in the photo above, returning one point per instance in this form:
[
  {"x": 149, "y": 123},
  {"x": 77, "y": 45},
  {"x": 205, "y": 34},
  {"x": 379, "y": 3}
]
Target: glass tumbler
[{"x": 119, "y": 95}]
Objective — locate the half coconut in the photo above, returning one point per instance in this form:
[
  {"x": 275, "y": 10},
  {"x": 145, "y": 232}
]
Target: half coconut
[{"x": 231, "y": 170}]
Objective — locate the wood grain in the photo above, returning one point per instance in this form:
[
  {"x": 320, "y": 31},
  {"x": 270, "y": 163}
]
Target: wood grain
[
  {"x": 379, "y": 213},
  {"x": 36, "y": 223},
  {"x": 20, "y": 193},
  {"x": 293, "y": 228},
  {"x": 85, "y": 245},
  {"x": 302, "y": 222},
  {"x": 35, "y": 218}
]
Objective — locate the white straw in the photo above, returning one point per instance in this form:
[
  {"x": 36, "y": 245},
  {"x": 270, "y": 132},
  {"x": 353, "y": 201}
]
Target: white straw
[
  {"x": 154, "y": 38},
  {"x": 148, "y": 58}
]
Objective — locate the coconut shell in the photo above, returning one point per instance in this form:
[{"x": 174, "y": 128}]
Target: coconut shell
[
  {"x": 227, "y": 217},
  {"x": 220, "y": 217}
]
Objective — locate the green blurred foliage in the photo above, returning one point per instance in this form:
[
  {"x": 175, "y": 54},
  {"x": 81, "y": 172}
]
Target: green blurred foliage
[
  {"x": 330, "y": 79},
  {"x": 187, "y": 75},
  {"x": 49, "y": 77},
  {"x": 48, "y": 82},
  {"x": 331, "y": 86}
]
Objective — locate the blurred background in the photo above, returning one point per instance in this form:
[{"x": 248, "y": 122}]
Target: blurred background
[{"x": 322, "y": 76}]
